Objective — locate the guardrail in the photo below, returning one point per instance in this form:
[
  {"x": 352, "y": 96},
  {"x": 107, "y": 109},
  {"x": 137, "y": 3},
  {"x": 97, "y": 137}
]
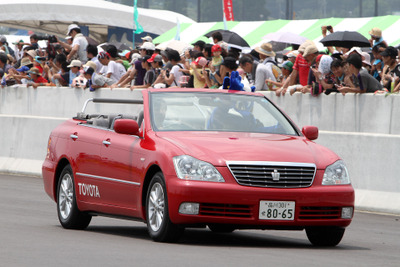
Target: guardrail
[{"x": 362, "y": 129}]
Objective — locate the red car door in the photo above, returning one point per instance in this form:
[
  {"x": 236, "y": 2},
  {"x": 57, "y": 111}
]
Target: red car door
[
  {"x": 84, "y": 148},
  {"x": 120, "y": 160}
]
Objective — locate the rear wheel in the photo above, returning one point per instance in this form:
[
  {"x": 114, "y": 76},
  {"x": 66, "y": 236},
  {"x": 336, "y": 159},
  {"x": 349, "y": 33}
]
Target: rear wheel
[
  {"x": 325, "y": 236},
  {"x": 69, "y": 215},
  {"x": 159, "y": 225}
]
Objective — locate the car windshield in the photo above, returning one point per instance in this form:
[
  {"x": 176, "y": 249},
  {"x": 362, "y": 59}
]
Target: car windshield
[{"x": 224, "y": 112}]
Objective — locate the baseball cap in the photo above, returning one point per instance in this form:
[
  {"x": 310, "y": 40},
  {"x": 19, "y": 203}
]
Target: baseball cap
[
  {"x": 367, "y": 58},
  {"x": 75, "y": 63},
  {"x": 23, "y": 69},
  {"x": 135, "y": 56},
  {"x": 390, "y": 51},
  {"x": 216, "y": 48},
  {"x": 147, "y": 46},
  {"x": 147, "y": 39},
  {"x": 355, "y": 60},
  {"x": 311, "y": 49},
  {"x": 155, "y": 58},
  {"x": 354, "y": 49},
  {"x": 202, "y": 61},
  {"x": 71, "y": 27},
  {"x": 145, "y": 58},
  {"x": 3, "y": 39},
  {"x": 103, "y": 54},
  {"x": 91, "y": 64},
  {"x": 288, "y": 65}
]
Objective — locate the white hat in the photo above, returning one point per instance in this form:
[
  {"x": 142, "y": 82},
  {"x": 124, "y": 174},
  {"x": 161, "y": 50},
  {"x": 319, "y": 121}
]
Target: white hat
[
  {"x": 147, "y": 39},
  {"x": 75, "y": 63},
  {"x": 366, "y": 58},
  {"x": 293, "y": 53},
  {"x": 148, "y": 46},
  {"x": 357, "y": 49},
  {"x": 134, "y": 57},
  {"x": 71, "y": 27}
]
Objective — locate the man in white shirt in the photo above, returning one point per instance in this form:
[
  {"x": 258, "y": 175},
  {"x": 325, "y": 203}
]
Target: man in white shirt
[
  {"x": 111, "y": 69},
  {"x": 79, "y": 44}
]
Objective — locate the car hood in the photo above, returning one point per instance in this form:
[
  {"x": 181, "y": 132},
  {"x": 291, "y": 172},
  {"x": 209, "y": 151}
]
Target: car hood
[{"x": 219, "y": 147}]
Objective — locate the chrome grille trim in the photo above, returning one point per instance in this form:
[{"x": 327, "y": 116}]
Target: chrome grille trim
[{"x": 259, "y": 173}]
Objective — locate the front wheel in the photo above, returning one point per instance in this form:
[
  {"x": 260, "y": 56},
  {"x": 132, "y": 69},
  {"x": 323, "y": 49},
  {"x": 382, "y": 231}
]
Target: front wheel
[
  {"x": 69, "y": 215},
  {"x": 325, "y": 236},
  {"x": 159, "y": 225}
]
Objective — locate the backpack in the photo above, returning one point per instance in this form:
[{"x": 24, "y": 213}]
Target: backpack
[{"x": 276, "y": 71}]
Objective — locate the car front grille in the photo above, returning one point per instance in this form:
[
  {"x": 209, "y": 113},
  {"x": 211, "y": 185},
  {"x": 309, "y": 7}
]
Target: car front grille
[
  {"x": 273, "y": 174},
  {"x": 316, "y": 213},
  {"x": 225, "y": 210}
]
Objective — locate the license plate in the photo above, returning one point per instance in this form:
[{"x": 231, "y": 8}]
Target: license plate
[{"x": 277, "y": 210}]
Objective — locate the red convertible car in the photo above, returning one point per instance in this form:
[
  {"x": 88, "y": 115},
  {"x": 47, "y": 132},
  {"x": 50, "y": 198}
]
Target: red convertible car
[{"x": 184, "y": 158}]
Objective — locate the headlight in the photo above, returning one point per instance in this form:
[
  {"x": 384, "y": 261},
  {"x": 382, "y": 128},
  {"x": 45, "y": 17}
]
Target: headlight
[
  {"x": 336, "y": 174},
  {"x": 189, "y": 168}
]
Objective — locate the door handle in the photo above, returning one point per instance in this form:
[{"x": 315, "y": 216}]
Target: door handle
[
  {"x": 107, "y": 142},
  {"x": 74, "y": 136}
]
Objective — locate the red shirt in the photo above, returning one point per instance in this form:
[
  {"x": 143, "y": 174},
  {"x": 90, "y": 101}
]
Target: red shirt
[
  {"x": 302, "y": 67},
  {"x": 40, "y": 79}
]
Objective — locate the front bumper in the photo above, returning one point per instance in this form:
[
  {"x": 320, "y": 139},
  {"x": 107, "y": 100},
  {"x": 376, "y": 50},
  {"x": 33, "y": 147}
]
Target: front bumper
[{"x": 231, "y": 203}]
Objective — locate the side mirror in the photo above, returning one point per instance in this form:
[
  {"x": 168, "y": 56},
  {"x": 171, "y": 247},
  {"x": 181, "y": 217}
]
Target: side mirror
[
  {"x": 126, "y": 126},
  {"x": 311, "y": 132}
]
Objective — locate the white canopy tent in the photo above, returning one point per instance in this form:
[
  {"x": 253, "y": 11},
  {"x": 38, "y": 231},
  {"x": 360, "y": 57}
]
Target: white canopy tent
[{"x": 54, "y": 16}]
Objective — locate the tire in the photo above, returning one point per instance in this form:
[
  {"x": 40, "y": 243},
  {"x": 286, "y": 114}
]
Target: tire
[
  {"x": 325, "y": 236},
  {"x": 221, "y": 228},
  {"x": 159, "y": 226},
  {"x": 69, "y": 215}
]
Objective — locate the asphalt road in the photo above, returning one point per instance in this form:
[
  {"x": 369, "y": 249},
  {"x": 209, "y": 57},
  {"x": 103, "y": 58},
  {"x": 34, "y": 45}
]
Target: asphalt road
[{"x": 30, "y": 235}]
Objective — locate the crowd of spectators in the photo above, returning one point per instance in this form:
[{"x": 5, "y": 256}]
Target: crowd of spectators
[{"x": 76, "y": 63}]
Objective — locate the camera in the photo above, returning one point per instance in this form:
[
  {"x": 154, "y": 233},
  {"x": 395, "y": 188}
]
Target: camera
[
  {"x": 50, "y": 38},
  {"x": 329, "y": 28}
]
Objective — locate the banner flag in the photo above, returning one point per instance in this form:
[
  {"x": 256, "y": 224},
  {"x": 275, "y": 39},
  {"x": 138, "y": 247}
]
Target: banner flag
[
  {"x": 228, "y": 10},
  {"x": 139, "y": 28}
]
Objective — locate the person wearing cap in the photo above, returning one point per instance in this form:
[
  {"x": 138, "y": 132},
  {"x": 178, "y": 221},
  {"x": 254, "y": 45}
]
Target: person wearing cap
[
  {"x": 156, "y": 63},
  {"x": 19, "y": 53},
  {"x": 74, "y": 67},
  {"x": 267, "y": 57},
  {"x": 217, "y": 59},
  {"x": 149, "y": 77},
  {"x": 300, "y": 72},
  {"x": 79, "y": 44},
  {"x": 138, "y": 72},
  {"x": 199, "y": 71},
  {"x": 391, "y": 70},
  {"x": 377, "y": 39},
  {"x": 36, "y": 78},
  {"x": 286, "y": 69},
  {"x": 199, "y": 45},
  {"x": 111, "y": 69},
  {"x": 95, "y": 80},
  {"x": 21, "y": 75},
  {"x": 147, "y": 39},
  {"x": 366, "y": 82}
]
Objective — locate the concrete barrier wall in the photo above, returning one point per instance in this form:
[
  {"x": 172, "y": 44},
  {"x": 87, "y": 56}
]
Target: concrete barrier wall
[{"x": 362, "y": 129}]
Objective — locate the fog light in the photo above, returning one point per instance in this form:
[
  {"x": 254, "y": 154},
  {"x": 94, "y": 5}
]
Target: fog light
[
  {"x": 347, "y": 212},
  {"x": 189, "y": 208}
]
